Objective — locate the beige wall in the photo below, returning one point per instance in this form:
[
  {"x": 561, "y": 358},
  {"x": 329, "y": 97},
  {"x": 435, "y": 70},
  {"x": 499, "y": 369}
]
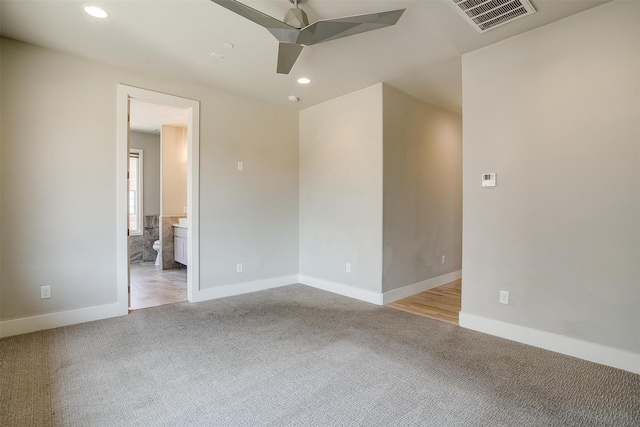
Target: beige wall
[
  {"x": 555, "y": 112},
  {"x": 341, "y": 190},
  {"x": 150, "y": 146},
  {"x": 59, "y": 182},
  {"x": 381, "y": 189},
  {"x": 422, "y": 190},
  {"x": 174, "y": 170}
]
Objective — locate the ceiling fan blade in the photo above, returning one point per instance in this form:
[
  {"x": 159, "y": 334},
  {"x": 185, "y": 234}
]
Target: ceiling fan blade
[
  {"x": 287, "y": 55},
  {"x": 281, "y": 31},
  {"x": 331, "y": 29},
  {"x": 293, "y": 40}
]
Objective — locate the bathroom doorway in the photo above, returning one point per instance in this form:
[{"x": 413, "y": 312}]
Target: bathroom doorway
[
  {"x": 157, "y": 204},
  {"x": 158, "y": 138}
]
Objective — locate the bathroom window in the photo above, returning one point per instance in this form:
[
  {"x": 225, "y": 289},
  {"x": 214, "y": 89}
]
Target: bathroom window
[{"x": 135, "y": 192}]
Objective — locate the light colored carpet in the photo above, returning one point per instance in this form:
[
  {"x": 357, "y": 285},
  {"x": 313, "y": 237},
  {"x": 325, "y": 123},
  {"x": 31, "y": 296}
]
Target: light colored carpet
[{"x": 301, "y": 357}]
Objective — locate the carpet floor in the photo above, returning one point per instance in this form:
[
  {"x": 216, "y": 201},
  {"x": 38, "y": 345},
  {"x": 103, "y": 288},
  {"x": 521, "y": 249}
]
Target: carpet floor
[{"x": 297, "y": 356}]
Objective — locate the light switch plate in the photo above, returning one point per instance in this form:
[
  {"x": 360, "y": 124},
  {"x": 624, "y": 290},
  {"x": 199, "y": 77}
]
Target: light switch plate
[{"x": 45, "y": 292}]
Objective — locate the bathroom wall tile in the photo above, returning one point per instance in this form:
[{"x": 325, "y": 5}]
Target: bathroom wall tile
[
  {"x": 148, "y": 254},
  {"x": 148, "y": 222},
  {"x": 135, "y": 249},
  {"x": 168, "y": 257},
  {"x": 151, "y": 221},
  {"x": 151, "y": 234}
]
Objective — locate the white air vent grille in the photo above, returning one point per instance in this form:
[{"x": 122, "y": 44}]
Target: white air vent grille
[{"x": 485, "y": 15}]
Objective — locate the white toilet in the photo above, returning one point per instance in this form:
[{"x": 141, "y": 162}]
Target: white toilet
[{"x": 156, "y": 247}]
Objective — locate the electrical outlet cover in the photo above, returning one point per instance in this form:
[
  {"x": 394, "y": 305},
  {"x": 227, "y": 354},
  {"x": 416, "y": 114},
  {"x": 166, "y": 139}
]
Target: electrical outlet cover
[{"x": 504, "y": 297}]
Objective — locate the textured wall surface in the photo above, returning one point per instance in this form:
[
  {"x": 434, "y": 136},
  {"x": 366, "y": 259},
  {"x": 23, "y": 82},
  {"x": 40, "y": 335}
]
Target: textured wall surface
[
  {"x": 555, "y": 112},
  {"x": 59, "y": 135},
  {"x": 150, "y": 146},
  {"x": 422, "y": 191},
  {"x": 341, "y": 190}
]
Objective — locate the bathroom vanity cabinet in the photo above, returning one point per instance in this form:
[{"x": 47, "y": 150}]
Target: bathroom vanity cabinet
[{"x": 180, "y": 244}]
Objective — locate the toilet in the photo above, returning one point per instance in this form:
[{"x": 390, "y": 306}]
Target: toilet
[{"x": 156, "y": 247}]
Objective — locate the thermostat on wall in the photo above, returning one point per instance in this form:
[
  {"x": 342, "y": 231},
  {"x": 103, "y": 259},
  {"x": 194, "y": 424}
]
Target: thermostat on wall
[{"x": 489, "y": 179}]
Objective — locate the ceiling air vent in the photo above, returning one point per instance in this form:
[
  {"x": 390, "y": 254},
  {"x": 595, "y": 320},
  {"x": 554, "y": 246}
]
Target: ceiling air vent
[{"x": 485, "y": 15}]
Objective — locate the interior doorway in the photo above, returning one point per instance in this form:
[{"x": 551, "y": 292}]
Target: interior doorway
[
  {"x": 144, "y": 113},
  {"x": 157, "y": 204}
]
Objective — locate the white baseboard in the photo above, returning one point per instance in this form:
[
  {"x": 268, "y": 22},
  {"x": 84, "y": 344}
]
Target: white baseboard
[
  {"x": 415, "y": 288},
  {"x": 89, "y": 314},
  {"x": 342, "y": 289},
  {"x": 243, "y": 288},
  {"x": 597, "y": 353},
  {"x": 56, "y": 320}
]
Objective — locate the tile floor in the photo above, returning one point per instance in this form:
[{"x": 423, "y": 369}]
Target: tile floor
[{"x": 151, "y": 286}]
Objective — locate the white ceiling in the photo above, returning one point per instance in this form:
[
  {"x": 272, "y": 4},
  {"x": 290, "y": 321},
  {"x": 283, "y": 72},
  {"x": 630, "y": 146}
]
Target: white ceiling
[
  {"x": 420, "y": 55},
  {"x": 149, "y": 117}
]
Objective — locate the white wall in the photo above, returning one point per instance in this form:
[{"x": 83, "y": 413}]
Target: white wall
[
  {"x": 555, "y": 112},
  {"x": 422, "y": 190},
  {"x": 249, "y": 216},
  {"x": 341, "y": 190},
  {"x": 59, "y": 182},
  {"x": 174, "y": 170},
  {"x": 150, "y": 145}
]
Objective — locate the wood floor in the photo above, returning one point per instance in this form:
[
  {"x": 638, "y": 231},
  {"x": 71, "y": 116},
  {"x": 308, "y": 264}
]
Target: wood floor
[{"x": 442, "y": 303}]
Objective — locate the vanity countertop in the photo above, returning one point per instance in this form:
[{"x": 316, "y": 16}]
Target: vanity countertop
[{"x": 180, "y": 226}]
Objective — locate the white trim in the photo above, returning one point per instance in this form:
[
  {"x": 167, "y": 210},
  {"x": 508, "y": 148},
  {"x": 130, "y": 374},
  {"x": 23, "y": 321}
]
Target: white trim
[
  {"x": 245, "y": 287},
  {"x": 55, "y": 320},
  {"x": 592, "y": 352},
  {"x": 342, "y": 289},
  {"x": 122, "y": 191},
  {"x": 193, "y": 187},
  {"x": 193, "y": 202},
  {"x": 415, "y": 288}
]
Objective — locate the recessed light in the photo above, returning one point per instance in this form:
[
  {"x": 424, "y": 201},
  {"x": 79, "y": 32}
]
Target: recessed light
[
  {"x": 95, "y": 11},
  {"x": 304, "y": 81},
  {"x": 229, "y": 45},
  {"x": 293, "y": 98},
  {"x": 216, "y": 55}
]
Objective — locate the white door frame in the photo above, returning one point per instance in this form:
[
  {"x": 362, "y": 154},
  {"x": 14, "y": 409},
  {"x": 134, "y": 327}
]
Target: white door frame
[{"x": 125, "y": 93}]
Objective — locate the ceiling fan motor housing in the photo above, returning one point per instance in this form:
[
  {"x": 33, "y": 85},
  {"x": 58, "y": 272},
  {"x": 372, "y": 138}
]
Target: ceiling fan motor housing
[{"x": 296, "y": 17}]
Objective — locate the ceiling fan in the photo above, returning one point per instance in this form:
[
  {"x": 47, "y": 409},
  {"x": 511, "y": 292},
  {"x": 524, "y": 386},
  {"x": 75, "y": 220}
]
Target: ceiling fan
[{"x": 294, "y": 33}]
